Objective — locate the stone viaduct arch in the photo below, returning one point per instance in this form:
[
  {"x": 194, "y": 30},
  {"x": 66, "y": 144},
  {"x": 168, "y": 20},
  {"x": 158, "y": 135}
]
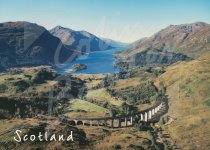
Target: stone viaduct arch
[{"x": 145, "y": 116}]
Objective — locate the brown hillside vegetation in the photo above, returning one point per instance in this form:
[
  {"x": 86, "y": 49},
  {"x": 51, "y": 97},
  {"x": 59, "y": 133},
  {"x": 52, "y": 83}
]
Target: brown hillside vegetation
[
  {"x": 171, "y": 44},
  {"x": 31, "y": 126},
  {"x": 189, "y": 39},
  {"x": 112, "y": 139},
  {"x": 188, "y": 89}
]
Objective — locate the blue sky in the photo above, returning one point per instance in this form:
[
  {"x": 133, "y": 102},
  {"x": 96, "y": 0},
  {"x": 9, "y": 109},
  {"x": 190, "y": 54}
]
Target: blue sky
[{"x": 122, "y": 20}]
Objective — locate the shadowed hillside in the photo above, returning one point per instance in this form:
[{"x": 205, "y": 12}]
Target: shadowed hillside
[
  {"x": 26, "y": 44},
  {"x": 80, "y": 40}
]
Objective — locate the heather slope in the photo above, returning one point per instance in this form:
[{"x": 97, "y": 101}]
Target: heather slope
[{"x": 188, "y": 86}]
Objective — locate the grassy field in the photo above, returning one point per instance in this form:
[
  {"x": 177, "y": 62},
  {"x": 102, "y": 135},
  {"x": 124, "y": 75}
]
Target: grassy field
[
  {"x": 85, "y": 109},
  {"x": 123, "y": 83},
  {"x": 188, "y": 88},
  {"x": 102, "y": 95}
]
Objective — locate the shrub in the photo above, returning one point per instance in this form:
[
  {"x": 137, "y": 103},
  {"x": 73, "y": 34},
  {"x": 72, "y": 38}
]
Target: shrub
[
  {"x": 162, "y": 121},
  {"x": 28, "y": 76},
  {"x": 3, "y": 88},
  {"x": 10, "y": 79},
  {"x": 21, "y": 85},
  {"x": 116, "y": 146},
  {"x": 138, "y": 126},
  {"x": 43, "y": 75},
  {"x": 137, "y": 147},
  {"x": 207, "y": 102},
  {"x": 105, "y": 104},
  {"x": 113, "y": 111},
  {"x": 107, "y": 81},
  {"x": 148, "y": 69},
  {"x": 126, "y": 109}
]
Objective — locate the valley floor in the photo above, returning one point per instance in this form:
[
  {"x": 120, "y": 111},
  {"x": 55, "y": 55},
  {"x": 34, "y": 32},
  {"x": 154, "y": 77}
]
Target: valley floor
[{"x": 185, "y": 126}]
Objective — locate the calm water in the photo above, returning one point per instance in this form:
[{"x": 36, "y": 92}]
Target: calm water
[{"x": 97, "y": 62}]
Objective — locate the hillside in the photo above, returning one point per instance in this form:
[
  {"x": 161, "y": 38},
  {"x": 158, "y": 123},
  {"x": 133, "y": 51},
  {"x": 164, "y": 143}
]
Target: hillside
[
  {"x": 188, "y": 86},
  {"x": 34, "y": 126},
  {"x": 174, "y": 43},
  {"x": 80, "y": 40},
  {"x": 25, "y": 44},
  {"x": 114, "y": 43}
]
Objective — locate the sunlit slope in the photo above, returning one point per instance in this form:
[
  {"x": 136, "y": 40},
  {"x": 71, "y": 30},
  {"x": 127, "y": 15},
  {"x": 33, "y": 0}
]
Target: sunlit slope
[{"x": 188, "y": 88}]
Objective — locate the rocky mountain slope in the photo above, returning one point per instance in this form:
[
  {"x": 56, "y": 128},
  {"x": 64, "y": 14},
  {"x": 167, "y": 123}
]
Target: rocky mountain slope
[
  {"x": 80, "y": 40},
  {"x": 185, "y": 40},
  {"x": 24, "y": 44}
]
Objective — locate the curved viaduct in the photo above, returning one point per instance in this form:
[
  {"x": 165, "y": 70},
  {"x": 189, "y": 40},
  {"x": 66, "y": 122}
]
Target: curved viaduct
[{"x": 150, "y": 115}]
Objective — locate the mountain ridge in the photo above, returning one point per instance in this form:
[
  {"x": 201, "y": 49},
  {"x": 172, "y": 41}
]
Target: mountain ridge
[
  {"x": 23, "y": 44},
  {"x": 79, "y": 40},
  {"x": 189, "y": 40}
]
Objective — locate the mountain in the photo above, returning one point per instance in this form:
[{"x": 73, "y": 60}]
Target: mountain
[
  {"x": 185, "y": 40},
  {"x": 80, "y": 40},
  {"x": 25, "y": 44},
  {"x": 115, "y": 43},
  {"x": 187, "y": 86}
]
